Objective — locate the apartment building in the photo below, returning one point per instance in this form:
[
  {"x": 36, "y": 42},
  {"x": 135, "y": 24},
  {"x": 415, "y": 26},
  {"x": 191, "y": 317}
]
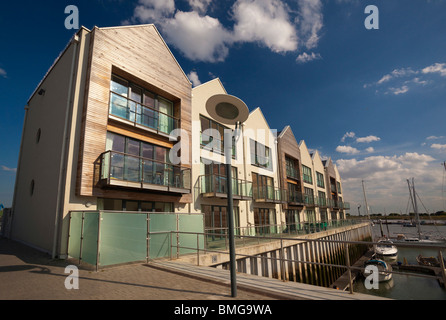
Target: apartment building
[
  {"x": 97, "y": 134},
  {"x": 115, "y": 125}
]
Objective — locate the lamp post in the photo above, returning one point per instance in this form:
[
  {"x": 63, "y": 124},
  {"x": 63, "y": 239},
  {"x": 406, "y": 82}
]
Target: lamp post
[{"x": 229, "y": 110}]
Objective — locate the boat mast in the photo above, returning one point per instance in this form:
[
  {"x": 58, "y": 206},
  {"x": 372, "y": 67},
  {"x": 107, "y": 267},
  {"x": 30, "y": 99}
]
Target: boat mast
[
  {"x": 414, "y": 203},
  {"x": 365, "y": 199}
]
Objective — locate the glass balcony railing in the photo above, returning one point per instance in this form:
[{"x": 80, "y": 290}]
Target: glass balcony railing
[
  {"x": 139, "y": 172},
  {"x": 139, "y": 114},
  {"x": 296, "y": 197},
  {"x": 292, "y": 172},
  {"x": 269, "y": 194},
  {"x": 216, "y": 186}
]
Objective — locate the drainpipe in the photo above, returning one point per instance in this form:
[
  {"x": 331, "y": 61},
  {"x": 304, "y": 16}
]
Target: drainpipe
[{"x": 63, "y": 158}]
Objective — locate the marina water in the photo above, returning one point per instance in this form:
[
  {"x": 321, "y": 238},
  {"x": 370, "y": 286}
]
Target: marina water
[{"x": 407, "y": 287}]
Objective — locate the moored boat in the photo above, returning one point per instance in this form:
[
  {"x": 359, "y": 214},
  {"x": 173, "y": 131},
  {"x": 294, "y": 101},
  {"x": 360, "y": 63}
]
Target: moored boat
[
  {"x": 386, "y": 249},
  {"x": 384, "y": 269}
]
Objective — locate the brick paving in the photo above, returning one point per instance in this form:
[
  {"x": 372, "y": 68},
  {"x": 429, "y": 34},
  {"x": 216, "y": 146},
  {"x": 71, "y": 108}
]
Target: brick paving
[{"x": 28, "y": 274}]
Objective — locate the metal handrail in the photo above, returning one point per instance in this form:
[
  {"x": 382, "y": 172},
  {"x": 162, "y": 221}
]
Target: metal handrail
[{"x": 347, "y": 266}]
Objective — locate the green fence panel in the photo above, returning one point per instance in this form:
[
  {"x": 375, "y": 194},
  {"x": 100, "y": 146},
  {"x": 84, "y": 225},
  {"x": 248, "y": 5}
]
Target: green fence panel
[
  {"x": 191, "y": 223},
  {"x": 90, "y": 237},
  {"x": 74, "y": 243},
  {"x": 160, "y": 243},
  {"x": 123, "y": 238}
]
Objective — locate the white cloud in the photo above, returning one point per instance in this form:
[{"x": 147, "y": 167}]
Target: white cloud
[
  {"x": 434, "y": 137},
  {"x": 398, "y": 91},
  {"x": 305, "y": 57},
  {"x": 385, "y": 179},
  {"x": 310, "y": 22},
  {"x": 370, "y": 149},
  {"x": 397, "y": 73},
  {"x": 407, "y": 78},
  {"x": 200, "y": 5},
  {"x": 203, "y": 38},
  {"x": 368, "y": 139},
  {"x": 348, "y": 135},
  {"x": 3, "y": 73},
  {"x": 347, "y": 149},
  {"x": 193, "y": 77},
  {"x": 266, "y": 22},
  {"x": 5, "y": 168},
  {"x": 153, "y": 11},
  {"x": 436, "y": 68},
  {"x": 438, "y": 146},
  {"x": 198, "y": 38}
]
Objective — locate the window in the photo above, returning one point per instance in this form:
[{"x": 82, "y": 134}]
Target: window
[
  {"x": 307, "y": 176},
  {"x": 292, "y": 219},
  {"x": 135, "y": 160},
  {"x": 263, "y": 187},
  {"x": 214, "y": 179},
  {"x": 31, "y": 187},
  {"x": 338, "y": 185},
  {"x": 133, "y": 205},
  {"x": 292, "y": 166},
  {"x": 38, "y": 135},
  {"x": 260, "y": 155},
  {"x": 216, "y": 220},
  {"x": 320, "y": 180},
  {"x": 308, "y": 196},
  {"x": 265, "y": 220},
  {"x": 322, "y": 199},
  {"x": 213, "y": 136},
  {"x": 133, "y": 103}
]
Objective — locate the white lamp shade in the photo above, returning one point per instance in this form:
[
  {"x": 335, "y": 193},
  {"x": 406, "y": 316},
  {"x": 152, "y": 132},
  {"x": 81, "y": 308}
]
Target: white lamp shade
[{"x": 227, "y": 109}]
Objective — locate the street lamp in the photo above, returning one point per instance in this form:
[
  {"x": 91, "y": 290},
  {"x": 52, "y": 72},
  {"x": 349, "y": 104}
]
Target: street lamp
[{"x": 229, "y": 110}]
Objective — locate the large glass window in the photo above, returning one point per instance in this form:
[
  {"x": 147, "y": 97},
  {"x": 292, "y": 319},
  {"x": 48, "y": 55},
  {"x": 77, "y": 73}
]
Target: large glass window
[
  {"x": 134, "y": 205},
  {"x": 260, "y": 155},
  {"x": 216, "y": 220},
  {"x": 214, "y": 179},
  {"x": 265, "y": 220},
  {"x": 320, "y": 180},
  {"x": 137, "y": 161},
  {"x": 263, "y": 186},
  {"x": 132, "y": 102},
  {"x": 307, "y": 176},
  {"x": 214, "y": 139},
  {"x": 292, "y": 166}
]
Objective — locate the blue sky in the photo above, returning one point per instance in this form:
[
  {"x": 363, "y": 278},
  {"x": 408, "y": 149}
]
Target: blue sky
[{"x": 372, "y": 100}]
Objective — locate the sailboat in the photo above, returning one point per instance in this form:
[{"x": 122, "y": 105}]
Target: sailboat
[{"x": 420, "y": 238}]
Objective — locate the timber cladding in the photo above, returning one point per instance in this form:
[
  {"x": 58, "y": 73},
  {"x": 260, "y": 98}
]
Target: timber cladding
[
  {"x": 287, "y": 146},
  {"x": 141, "y": 55}
]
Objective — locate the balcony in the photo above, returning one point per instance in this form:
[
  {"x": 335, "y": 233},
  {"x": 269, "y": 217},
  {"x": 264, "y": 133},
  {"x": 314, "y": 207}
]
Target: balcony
[
  {"x": 269, "y": 194},
  {"x": 338, "y": 204},
  {"x": 215, "y": 186},
  {"x": 292, "y": 172},
  {"x": 322, "y": 202},
  {"x": 309, "y": 200},
  {"x": 124, "y": 170},
  {"x": 296, "y": 198},
  {"x": 138, "y": 115}
]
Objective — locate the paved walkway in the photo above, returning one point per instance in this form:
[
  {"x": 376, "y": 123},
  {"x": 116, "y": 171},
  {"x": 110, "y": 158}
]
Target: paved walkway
[{"x": 26, "y": 273}]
